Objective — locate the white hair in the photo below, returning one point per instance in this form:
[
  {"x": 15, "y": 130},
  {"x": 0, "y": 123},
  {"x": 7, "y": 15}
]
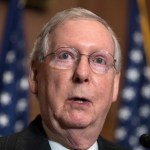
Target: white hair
[{"x": 42, "y": 43}]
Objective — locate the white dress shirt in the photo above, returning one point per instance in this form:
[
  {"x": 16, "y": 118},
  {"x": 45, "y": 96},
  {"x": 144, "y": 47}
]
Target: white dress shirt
[{"x": 58, "y": 146}]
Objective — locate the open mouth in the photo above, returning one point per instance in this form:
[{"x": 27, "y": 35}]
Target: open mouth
[{"x": 79, "y": 99}]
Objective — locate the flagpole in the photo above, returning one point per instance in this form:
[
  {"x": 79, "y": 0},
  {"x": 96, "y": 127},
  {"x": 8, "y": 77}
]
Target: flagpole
[{"x": 145, "y": 27}]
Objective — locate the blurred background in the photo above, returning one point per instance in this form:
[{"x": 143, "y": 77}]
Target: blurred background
[{"x": 118, "y": 14}]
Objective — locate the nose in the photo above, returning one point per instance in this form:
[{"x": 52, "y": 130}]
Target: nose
[{"x": 82, "y": 71}]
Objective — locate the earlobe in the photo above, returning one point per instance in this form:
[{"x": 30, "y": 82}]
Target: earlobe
[
  {"x": 116, "y": 86},
  {"x": 33, "y": 83}
]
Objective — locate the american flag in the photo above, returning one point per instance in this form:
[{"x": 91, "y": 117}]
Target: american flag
[
  {"x": 13, "y": 79},
  {"x": 134, "y": 113}
]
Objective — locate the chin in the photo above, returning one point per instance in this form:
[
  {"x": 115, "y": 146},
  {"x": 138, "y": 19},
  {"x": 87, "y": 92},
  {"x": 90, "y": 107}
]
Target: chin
[
  {"x": 75, "y": 123},
  {"x": 75, "y": 118}
]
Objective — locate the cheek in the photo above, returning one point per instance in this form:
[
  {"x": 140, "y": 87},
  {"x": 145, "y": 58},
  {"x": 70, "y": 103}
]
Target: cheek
[
  {"x": 57, "y": 84},
  {"x": 104, "y": 87},
  {"x": 104, "y": 93},
  {"x": 55, "y": 87}
]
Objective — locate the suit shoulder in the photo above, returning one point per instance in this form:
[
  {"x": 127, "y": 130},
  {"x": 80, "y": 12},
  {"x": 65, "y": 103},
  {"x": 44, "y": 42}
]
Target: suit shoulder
[
  {"x": 26, "y": 139},
  {"x": 8, "y": 142}
]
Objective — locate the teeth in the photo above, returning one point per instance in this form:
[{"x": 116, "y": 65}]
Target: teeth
[{"x": 80, "y": 101}]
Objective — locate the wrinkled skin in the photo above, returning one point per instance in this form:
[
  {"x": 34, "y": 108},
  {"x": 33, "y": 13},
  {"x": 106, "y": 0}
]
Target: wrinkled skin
[{"x": 73, "y": 123}]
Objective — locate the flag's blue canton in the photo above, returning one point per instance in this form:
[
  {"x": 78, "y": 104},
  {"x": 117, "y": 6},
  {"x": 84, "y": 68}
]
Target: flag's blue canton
[
  {"x": 134, "y": 114},
  {"x": 13, "y": 79}
]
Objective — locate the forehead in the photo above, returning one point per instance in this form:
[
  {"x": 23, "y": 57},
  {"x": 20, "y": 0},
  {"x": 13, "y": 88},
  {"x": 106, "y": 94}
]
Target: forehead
[{"x": 87, "y": 32}]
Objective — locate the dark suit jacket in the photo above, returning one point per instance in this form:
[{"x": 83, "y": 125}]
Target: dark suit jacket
[{"x": 34, "y": 138}]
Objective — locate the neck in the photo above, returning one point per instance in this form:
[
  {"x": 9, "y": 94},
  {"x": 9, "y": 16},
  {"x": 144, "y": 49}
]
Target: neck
[{"x": 79, "y": 139}]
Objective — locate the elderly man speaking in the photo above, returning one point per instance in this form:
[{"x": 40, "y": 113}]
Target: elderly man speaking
[{"x": 74, "y": 74}]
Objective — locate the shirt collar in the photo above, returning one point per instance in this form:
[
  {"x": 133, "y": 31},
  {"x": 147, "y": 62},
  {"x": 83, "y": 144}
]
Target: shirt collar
[{"x": 58, "y": 146}]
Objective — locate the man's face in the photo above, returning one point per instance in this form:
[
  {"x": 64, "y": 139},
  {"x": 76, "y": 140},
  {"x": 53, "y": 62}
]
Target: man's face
[{"x": 78, "y": 97}]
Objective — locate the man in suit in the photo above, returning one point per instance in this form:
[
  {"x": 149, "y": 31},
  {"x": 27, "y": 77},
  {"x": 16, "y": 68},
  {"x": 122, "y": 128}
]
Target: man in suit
[{"x": 74, "y": 73}]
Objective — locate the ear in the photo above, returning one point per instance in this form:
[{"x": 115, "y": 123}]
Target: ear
[
  {"x": 116, "y": 86},
  {"x": 33, "y": 82}
]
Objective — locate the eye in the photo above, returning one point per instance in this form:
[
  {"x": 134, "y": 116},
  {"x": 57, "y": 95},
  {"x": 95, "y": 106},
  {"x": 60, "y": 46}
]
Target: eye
[
  {"x": 64, "y": 55},
  {"x": 100, "y": 60}
]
